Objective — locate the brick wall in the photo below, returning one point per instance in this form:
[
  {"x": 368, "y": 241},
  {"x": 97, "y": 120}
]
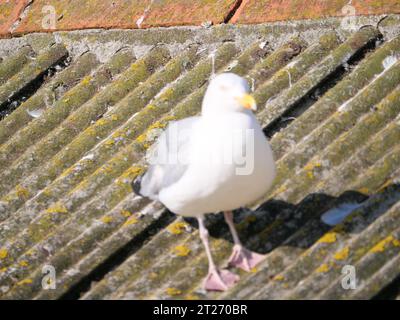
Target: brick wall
[{"x": 24, "y": 16}]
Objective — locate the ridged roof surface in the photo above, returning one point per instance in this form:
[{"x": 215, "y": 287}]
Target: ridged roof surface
[{"x": 75, "y": 126}]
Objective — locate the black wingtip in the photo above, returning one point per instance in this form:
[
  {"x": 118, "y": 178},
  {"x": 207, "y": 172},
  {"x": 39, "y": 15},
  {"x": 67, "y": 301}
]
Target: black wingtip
[{"x": 137, "y": 184}]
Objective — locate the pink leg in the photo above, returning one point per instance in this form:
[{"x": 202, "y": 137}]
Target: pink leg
[
  {"x": 241, "y": 257},
  {"x": 216, "y": 280}
]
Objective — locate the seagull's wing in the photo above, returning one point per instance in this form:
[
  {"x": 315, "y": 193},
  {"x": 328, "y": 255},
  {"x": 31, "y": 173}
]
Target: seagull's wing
[{"x": 168, "y": 160}]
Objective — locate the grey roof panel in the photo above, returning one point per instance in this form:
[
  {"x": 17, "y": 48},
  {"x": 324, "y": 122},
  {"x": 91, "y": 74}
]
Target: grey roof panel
[{"x": 331, "y": 110}]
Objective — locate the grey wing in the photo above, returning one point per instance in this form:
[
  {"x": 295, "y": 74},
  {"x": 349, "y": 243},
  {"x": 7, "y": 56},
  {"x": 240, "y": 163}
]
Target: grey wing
[{"x": 168, "y": 160}]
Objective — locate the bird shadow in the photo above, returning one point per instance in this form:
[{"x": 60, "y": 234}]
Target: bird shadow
[{"x": 276, "y": 222}]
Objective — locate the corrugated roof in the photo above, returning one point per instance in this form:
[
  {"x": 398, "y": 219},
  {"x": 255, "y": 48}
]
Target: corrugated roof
[{"x": 76, "y": 127}]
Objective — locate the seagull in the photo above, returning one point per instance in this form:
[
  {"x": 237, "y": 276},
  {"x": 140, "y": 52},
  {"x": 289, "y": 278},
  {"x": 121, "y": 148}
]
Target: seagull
[{"x": 216, "y": 162}]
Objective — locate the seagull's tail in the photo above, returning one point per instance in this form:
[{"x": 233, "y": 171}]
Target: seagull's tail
[
  {"x": 137, "y": 185},
  {"x": 146, "y": 185}
]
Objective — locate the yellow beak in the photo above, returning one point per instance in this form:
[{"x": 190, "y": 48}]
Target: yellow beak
[{"x": 248, "y": 102}]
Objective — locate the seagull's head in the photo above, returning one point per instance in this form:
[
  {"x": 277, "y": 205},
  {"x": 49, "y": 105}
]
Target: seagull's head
[{"x": 228, "y": 92}]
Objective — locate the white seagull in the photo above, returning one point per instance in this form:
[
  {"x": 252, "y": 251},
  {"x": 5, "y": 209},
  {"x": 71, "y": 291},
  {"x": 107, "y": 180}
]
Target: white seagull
[{"x": 219, "y": 161}]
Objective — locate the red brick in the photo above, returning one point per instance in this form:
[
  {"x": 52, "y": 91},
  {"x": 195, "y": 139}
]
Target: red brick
[
  {"x": 259, "y": 11},
  {"x": 185, "y": 12},
  {"x": 9, "y": 13},
  {"x": 78, "y": 14}
]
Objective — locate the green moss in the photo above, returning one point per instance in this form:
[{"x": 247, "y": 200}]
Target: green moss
[
  {"x": 116, "y": 167},
  {"x": 118, "y": 164},
  {"x": 333, "y": 128},
  {"x": 14, "y": 64},
  {"x": 65, "y": 79},
  {"x": 30, "y": 71},
  {"x": 72, "y": 100},
  {"x": 329, "y": 65},
  {"x": 329, "y": 103},
  {"x": 276, "y": 60}
]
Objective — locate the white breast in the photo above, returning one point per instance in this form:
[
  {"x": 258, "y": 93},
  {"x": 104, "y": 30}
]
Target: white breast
[{"x": 231, "y": 165}]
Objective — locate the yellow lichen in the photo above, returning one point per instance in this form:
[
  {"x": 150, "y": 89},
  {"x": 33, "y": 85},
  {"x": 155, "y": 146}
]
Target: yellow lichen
[
  {"x": 131, "y": 173},
  {"x": 47, "y": 192},
  {"x": 342, "y": 254},
  {"x": 306, "y": 253},
  {"x": 128, "y": 176},
  {"x": 118, "y": 134},
  {"x": 169, "y": 118},
  {"x": 25, "y": 281},
  {"x": 157, "y": 125},
  {"x": 146, "y": 145},
  {"x": 90, "y": 131},
  {"x": 101, "y": 122},
  {"x": 381, "y": 246},
  {"x": 320, "y": 185},
  {"x": 181, "y": 251},
  {"x": 364, "y": 190},
  {"x": 322, "y": 268},
  {"x": 57, "y": 208},
  {"x": 67, "y": 172},
  {"x": 173, "y": 291},
  {"x": 104, "y": 169},
  {"x": 167, "y": 93},
  {"x": 310, "y": 166},
  {"x": 329, "y": 237},
  {"x": 281, "y": 189},
  {"x": 23, "y": 263},
  {"x": 141, "y": 138},
  {"x": 8, "y": 198},
  {"x": 121, "y": 183},
  {"x": 177, "y": 227},
  {"x": 279, "y": 277},
  {"x": 21, "y": 191},
  {"x": 31, "y": 252},
  {"x": 86, "y": 80},
  {"x": 385, "y": 185},
  {"x": 2, "y": 270},
  {"x": 130, "y": 221},
  {"x": 80, "y": 187},
  {"x": 3, "y": 253},
  {"x": 109, "y": 142},
  {"x": 126, "y": 213},
  {"x": 106, "y": 219}
]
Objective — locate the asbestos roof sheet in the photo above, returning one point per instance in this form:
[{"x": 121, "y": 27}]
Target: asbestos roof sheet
[{"x": 75, "y": 126}]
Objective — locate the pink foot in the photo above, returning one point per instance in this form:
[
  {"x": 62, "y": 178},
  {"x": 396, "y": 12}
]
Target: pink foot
[
  {"x": 220, "y": 280},
  {"x": 244, "y": 259}
]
